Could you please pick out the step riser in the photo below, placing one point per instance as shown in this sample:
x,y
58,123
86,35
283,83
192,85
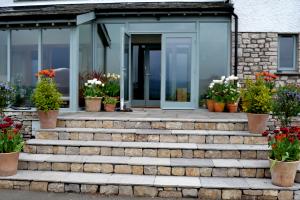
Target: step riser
x,y
150,191
108,168
146,152
133,137
171,125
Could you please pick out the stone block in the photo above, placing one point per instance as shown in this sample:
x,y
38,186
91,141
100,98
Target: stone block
x,y
231,154
86,136
168,138
174,125
134,152
197,139
199,154
30,149
285,195
107,124
145,191
44,166
125,191
91,189
44,149
248,172
262,155
219,172
182,138
158,125
109,190
137,170
56,187
21,185
150,170
153,138
176,153
188,125
32,166
118,152
205,126
72,188
92,167
273,193
102,137
74,136
72,150
89,150
123,169
232,194
213,154
75,124
221,139
164,170
59,150
77,167
192,171
107,168
105,151
210,194
253,192
119,124
116,137
128,137
233,172
93,124
178,171
205,172
149,152
248,154
39,186
47,135
190,193
61,166
4,184
164,153
22,165
170,194
143,125
187,153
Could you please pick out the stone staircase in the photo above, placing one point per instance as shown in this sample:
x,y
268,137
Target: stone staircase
x,y
164,157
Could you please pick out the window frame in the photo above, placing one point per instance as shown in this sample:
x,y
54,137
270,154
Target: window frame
x,y
295,52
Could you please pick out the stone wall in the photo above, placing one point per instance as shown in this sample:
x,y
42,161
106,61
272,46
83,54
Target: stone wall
x,y
259,52
27,118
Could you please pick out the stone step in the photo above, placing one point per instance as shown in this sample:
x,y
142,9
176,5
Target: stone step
x,y
152,135
117,122
147,165
146,149
149,186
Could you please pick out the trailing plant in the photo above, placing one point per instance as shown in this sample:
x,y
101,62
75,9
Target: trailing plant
x,y
46,96
112,85
11,139
110,100
284,144
286,104
256,97
93,88
6,96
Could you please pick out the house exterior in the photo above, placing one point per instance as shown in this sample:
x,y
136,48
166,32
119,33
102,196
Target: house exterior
x,y
166,52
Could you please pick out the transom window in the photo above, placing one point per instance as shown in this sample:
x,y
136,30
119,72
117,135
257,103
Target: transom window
x,y
287,54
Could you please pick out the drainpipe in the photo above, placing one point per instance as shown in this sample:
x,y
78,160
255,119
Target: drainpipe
x,y
236,27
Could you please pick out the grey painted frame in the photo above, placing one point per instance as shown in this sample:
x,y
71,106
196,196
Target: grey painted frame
x,y
295,52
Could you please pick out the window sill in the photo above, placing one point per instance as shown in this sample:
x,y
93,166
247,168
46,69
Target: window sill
x,y
287,73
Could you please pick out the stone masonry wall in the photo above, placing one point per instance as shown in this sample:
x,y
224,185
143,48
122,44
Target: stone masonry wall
x,y
259,51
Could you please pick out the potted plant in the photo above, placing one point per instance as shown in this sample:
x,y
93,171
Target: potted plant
x,y
232,93
284,155
112,85
209,98
6,95
256,102
11,143
110,104
93,95
218,94
47,99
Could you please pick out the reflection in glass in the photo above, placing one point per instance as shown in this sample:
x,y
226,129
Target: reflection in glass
x,y
178,69
24,62
3,55
154,79
286,52
56,55
85,48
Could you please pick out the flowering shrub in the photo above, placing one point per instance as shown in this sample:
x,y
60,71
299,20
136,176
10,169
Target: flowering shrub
x,y
112,85
256,97
11,139
286,103
268,77
46,96
224,90
93,88
6,95
284,143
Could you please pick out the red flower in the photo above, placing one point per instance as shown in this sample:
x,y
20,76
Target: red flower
x,y
274,146
292,139
276,131
284,130
10,137
19,125
265,133
16,131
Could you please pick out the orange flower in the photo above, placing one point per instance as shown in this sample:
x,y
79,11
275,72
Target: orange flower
x,y
50,73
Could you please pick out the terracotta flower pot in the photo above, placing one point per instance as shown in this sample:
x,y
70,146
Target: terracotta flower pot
x,y
257,123
93,104
9,163
48,119
219,106
283,173
109,107
232,107
210,105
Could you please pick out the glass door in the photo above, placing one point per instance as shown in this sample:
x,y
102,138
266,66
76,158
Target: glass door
x,y
125,100
178,88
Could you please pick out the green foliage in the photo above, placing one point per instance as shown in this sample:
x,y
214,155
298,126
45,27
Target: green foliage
x,y
286,103
112,88
11,139
256,97
46,96
6,95
93,88
232,94
110,100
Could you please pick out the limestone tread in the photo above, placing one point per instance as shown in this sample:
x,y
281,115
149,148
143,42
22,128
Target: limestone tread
x,y
145,180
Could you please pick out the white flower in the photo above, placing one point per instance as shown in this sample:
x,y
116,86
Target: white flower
x,y
211,85
238,85
98,82
108,75
102,85
90,81
118,76
86,84
222,78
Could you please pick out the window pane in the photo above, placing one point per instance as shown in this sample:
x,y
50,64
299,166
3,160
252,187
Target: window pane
x,y
286,52
85,48
178,69
3,55
56,55
24,60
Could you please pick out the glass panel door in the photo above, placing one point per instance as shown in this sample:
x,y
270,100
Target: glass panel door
x,y
178,72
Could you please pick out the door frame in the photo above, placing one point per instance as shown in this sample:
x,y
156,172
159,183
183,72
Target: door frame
x,y
192,104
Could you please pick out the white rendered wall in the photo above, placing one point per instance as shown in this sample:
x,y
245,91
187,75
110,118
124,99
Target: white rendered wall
x,y
268,15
